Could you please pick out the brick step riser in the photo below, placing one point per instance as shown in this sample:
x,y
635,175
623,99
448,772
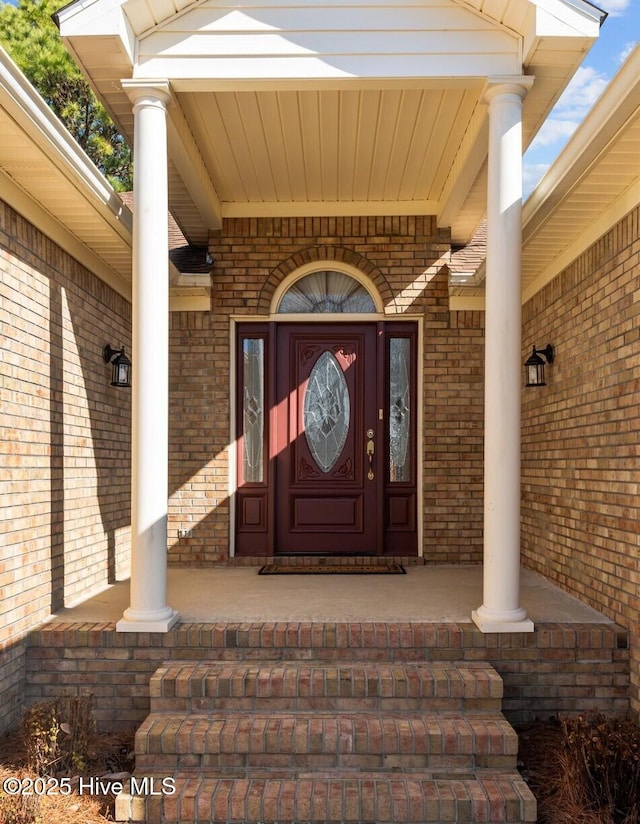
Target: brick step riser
x,y
457,705
298,686
369,799
360,740
287,765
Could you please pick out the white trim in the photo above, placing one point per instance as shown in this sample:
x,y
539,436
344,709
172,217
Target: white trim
x,y
605,222
189,303
332,208
29,111
420,507
326,317
326,266
604,122
31,210
464,303
232,452
595,136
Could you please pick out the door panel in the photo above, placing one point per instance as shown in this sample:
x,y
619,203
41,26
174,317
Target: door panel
x,y
307,396
326,401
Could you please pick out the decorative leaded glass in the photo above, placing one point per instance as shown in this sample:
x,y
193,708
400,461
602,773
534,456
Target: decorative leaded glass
x,y
326,292
399,409
253,409
326,411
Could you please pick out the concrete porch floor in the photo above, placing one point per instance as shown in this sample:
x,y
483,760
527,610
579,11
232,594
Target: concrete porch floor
x,y
437,594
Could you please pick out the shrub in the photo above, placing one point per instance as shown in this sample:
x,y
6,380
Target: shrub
x,y
591,773
57,735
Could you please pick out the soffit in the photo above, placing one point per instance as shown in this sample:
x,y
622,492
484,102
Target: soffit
x,y
50,180
593,183
309,108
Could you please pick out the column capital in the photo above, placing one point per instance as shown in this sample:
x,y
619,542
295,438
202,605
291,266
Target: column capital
x,y
154,91
519,84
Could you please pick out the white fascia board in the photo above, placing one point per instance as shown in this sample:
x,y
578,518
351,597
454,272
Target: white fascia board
x,y
627,201
24,203
563,19
189,303
21,101
191,167
567,18
464,303
470,160
607,117
97,18
330,208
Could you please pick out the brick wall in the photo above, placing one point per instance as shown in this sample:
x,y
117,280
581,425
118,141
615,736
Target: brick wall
x,y
559,668
405,258
65,444
581,433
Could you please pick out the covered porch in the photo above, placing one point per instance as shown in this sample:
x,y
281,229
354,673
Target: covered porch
x,y
426,594
574,660
337,138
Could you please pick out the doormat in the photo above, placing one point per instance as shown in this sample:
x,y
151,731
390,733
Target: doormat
x,y
332,569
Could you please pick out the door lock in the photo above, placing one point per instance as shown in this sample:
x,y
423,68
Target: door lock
x,y
371,448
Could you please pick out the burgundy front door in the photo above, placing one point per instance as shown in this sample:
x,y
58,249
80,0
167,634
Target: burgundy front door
x,y
327,483
326,429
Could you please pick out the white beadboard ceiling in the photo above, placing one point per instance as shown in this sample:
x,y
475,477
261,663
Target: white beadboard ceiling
x,y
323,107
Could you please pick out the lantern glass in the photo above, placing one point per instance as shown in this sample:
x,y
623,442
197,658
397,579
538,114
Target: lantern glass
x,y
120,375
534,370
535,375
120,365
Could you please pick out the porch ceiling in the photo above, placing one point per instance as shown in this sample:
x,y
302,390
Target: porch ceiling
x,y
328,108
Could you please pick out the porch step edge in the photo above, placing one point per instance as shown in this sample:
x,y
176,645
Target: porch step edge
x,y
407,798
237,741
316,685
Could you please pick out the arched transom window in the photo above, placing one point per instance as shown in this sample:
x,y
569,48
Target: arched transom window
x,y
326,291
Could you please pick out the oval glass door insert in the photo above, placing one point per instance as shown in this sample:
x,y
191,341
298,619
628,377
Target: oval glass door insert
x,y
326,411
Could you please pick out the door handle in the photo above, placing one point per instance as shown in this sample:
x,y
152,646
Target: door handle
x,y
371,448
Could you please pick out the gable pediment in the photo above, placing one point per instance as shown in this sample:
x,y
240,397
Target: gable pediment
x,y
306,40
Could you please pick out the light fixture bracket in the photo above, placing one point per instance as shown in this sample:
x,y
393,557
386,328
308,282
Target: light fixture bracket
x,y
548,352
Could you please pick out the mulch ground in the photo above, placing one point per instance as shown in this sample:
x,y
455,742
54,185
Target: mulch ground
x,y
109,753
540,762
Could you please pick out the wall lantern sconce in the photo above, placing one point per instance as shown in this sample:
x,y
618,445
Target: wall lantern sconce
x,y
534,365
121,365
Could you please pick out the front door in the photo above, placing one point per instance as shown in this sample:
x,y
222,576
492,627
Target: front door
x,y
326,438
327,479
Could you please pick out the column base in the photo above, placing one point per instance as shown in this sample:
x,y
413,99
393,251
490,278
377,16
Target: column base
x,y
159,621
494,622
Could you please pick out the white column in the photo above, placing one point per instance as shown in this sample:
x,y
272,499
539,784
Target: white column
x,y
501,610
148,610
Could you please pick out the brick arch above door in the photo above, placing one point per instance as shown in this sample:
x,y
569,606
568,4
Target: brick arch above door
x,y
327,255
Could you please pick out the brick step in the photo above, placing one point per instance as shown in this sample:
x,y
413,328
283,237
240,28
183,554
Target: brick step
x,y
232,742
302,685
409,798
328,741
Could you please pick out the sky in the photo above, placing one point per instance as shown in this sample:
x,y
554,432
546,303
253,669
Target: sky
x,y
618,35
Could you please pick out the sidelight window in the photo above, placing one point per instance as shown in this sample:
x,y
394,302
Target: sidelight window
x,y
399,409
253,409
